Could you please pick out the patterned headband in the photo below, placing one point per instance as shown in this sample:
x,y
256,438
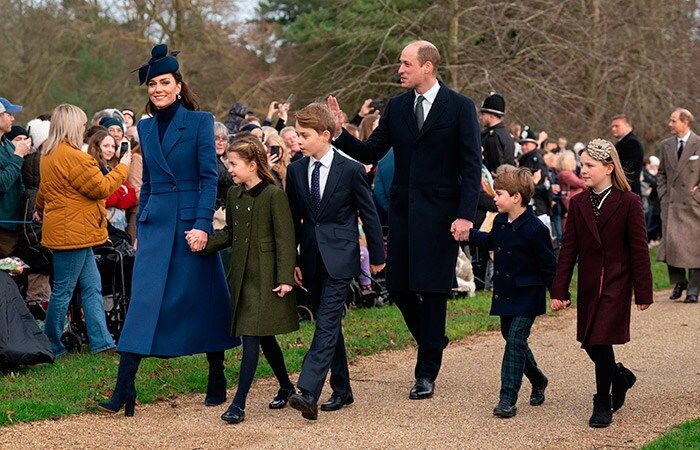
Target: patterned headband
x,y
599,149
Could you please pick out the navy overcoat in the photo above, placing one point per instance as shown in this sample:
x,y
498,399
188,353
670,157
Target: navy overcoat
x,y
180,304
437,177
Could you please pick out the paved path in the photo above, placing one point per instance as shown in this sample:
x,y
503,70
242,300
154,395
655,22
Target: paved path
x,y
663,353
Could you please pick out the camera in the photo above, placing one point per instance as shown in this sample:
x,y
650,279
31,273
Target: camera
x,y
377,104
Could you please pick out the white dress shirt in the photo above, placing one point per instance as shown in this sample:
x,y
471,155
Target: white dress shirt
x,y
325,168
428,98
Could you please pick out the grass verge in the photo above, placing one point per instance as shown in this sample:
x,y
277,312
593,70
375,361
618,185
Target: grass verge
x,y
681,437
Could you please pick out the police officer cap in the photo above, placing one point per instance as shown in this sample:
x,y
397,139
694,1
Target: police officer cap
x,y
494,104
161,62
528,135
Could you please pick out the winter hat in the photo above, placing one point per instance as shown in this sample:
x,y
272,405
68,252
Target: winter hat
x,y
161,62
494,104
15,131
110,121
39,131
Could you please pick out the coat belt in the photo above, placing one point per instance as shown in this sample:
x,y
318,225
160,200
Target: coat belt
x,y
167,187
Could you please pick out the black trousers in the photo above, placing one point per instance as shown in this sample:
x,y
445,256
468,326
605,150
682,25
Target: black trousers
x,y
677,275
603,356
327,351
425,316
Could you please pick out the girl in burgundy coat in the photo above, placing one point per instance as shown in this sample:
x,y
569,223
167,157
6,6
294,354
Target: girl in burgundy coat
x,y
606,234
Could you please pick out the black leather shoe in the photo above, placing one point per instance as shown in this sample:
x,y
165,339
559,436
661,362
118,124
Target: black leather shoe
x,y
537,395
282,397
678,290
505,410
306,403
623,380
337,401
690,299
423,388
233,414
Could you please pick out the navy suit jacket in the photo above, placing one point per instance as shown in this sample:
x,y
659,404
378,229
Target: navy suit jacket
x,y
332,231
437,177
524,264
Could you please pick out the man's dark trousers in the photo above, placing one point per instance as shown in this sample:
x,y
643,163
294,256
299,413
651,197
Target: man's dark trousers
x,y
425,316
327,349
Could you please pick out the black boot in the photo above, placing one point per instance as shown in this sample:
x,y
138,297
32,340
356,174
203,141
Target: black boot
x,y
216,383
125,390
623,380
602,411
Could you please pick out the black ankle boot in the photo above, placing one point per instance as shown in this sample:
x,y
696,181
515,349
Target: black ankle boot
x,y
125,390
623,380
602,411
216,382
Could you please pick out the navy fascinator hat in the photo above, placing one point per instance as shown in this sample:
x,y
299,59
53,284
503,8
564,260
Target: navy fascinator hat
x,y
161,62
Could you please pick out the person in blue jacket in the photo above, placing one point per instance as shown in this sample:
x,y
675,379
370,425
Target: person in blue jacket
x,y
524,267
180,301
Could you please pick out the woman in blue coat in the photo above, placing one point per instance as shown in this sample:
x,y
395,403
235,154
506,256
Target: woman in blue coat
x,y
179,299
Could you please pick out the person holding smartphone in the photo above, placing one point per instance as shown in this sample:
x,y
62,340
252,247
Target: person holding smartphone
x,y
278,158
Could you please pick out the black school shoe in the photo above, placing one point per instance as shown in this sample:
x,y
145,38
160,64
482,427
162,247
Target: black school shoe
x,y
623,380
505,410
537,395
233,414
602,411
678,290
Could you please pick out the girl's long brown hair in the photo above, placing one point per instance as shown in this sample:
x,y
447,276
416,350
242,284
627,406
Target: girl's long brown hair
x,y
250,149
95,151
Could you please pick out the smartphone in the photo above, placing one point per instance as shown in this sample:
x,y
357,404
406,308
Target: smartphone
x,y
290,99
377,104
275,150
124,147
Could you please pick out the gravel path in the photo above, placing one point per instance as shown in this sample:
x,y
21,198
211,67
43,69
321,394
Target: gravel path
x,y
663,353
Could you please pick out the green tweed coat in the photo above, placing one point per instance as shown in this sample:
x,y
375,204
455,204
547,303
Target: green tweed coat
x,y
260,233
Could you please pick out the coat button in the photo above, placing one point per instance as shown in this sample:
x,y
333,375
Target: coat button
x,y
236,206
498,249
249,208
235,223
503,226
497,272
235,239
318,225
246,239
247,224
495,296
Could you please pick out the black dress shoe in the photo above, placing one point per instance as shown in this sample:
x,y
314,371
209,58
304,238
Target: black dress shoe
x,y
537,395
423,388
306,403
233,414
337,401
505,410
678,290
690,299
282,397
623,380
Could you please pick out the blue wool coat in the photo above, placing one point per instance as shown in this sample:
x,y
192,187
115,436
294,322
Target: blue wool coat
x,y
524,263
180,304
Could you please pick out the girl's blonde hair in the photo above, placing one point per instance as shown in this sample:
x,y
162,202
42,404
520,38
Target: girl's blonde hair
x,y
567,161
605,152
67,125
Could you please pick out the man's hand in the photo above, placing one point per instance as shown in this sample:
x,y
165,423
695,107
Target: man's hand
x,y
376,268
558,305
271,110
460,229
22,146
283,111
282,289
366,108
297,276
337,115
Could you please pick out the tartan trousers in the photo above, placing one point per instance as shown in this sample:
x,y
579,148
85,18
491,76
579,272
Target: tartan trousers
x,y
517,357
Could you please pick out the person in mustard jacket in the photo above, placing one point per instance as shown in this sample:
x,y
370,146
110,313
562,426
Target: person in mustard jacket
x,y
71,205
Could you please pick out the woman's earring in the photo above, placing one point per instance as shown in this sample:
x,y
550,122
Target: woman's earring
x,y
179,97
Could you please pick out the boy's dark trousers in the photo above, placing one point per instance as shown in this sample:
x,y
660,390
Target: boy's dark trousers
x,y
327,349
517,358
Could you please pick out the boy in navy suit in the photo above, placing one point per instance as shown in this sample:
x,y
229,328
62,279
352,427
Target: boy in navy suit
x,y
326,191
524,267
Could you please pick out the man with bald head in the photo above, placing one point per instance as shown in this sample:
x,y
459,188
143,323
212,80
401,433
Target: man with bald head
x,y
678,184
435,136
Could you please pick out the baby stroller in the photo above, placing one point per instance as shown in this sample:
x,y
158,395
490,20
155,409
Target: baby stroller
x,y
115,268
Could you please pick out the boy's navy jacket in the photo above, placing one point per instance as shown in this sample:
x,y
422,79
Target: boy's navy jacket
x,y
524,263
333,229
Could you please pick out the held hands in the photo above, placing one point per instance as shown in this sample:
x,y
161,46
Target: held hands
x,y
460,229
558,305
196,239
282,289
376,268
337,115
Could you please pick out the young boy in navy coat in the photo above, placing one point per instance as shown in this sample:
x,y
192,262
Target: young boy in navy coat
x,y
524,267
326,192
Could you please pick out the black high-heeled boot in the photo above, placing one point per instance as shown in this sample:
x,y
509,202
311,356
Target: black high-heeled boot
x,y
125,390
216,381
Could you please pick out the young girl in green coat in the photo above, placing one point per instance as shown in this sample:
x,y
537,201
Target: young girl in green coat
x,y
260,232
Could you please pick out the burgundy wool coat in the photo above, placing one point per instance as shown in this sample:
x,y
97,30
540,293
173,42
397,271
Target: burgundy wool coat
x,y
613,259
